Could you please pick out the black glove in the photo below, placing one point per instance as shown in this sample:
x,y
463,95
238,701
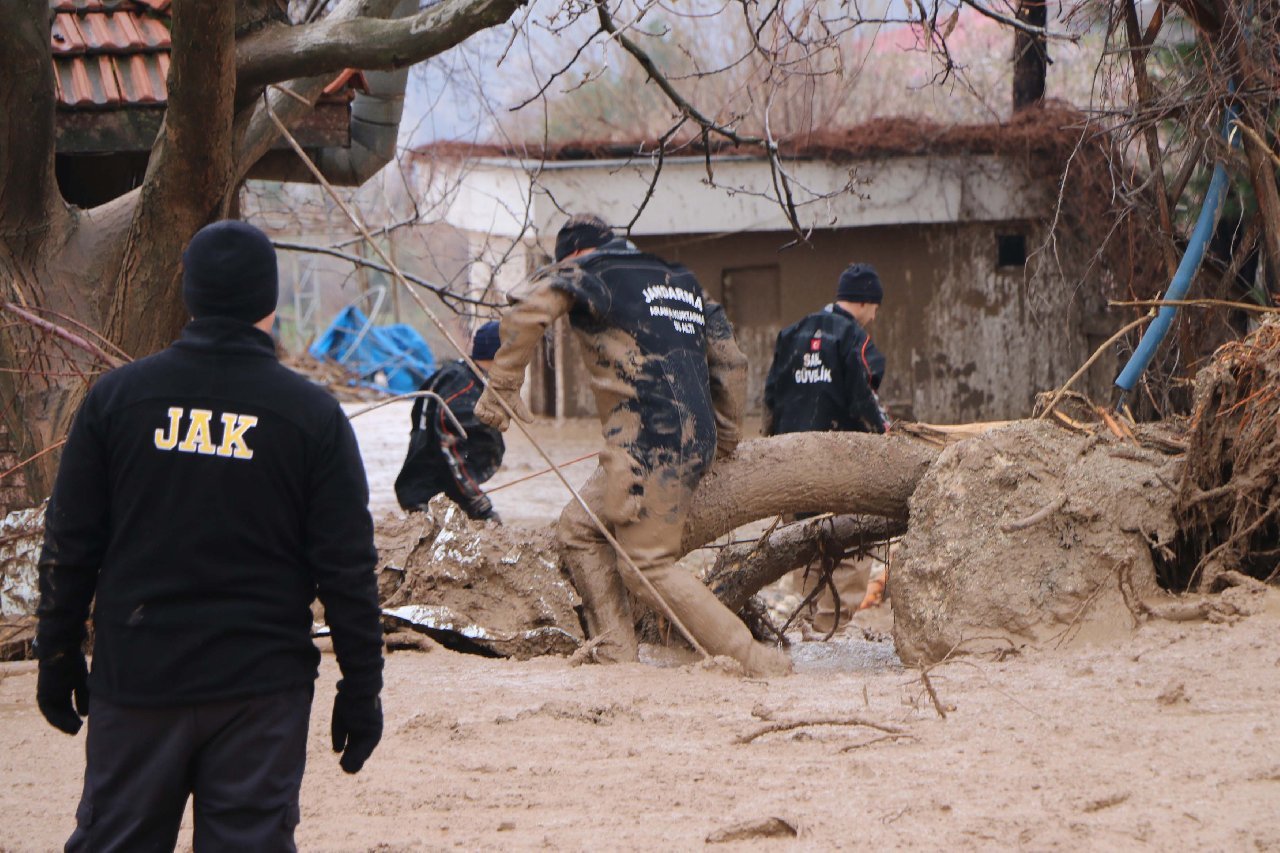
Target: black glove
x,y
62,677
356,728
481,509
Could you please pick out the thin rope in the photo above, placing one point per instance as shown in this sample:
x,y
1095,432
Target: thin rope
x,y
638,575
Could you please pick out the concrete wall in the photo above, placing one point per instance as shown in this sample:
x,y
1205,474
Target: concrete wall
x,y
965,339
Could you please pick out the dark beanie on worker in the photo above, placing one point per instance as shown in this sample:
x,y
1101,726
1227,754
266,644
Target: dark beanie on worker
x,y
484,346
583,231
229,270
859,283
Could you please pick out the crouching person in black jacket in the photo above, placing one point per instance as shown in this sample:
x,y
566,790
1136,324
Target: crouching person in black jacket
x,y
440,459
207,494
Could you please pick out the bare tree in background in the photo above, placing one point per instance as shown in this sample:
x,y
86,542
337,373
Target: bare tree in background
x,y
86,288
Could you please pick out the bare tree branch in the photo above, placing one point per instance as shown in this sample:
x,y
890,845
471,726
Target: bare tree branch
x,y
439,290
68,336
28,191
276,54
1020,26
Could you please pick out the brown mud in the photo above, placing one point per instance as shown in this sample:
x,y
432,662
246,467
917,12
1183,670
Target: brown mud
x,y
475,586
1031,534
1160,739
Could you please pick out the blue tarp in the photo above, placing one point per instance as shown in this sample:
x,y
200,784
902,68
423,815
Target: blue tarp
x,y
391,358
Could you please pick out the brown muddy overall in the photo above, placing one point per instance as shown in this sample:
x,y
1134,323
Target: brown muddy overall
x,y
666,406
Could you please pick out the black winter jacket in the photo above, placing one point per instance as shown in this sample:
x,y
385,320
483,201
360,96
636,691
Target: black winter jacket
x,y
823,378
439,460
207,494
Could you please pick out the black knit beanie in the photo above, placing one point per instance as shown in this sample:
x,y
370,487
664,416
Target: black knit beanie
x,y
484,346
859,283
229,270
583,231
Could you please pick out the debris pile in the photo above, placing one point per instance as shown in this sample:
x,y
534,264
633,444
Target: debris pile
x,y
1229,502
475,586
21,534
1031,534
341,383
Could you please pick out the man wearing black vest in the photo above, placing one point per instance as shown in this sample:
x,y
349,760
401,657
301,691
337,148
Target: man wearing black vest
x,y
207,495
824,378
669,384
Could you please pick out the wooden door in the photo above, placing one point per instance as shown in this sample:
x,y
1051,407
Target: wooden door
x,y
752,299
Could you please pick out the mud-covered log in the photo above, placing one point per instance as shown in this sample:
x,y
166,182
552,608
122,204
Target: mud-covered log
x,y
743,570
838,472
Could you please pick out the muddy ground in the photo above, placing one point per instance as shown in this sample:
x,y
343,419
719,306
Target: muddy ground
x,y
1169,738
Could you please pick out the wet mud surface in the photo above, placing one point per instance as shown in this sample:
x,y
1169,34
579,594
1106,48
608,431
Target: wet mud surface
x,y
1160,738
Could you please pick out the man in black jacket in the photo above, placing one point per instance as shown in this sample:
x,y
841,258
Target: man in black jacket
x,y
824,378
439,458
206,495
826,370
669,384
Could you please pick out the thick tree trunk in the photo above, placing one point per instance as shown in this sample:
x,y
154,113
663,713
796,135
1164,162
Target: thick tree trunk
x,y
1030,55
838,472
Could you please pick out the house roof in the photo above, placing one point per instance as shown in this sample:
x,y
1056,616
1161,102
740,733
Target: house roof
x,y
111,70
1039,131
109,54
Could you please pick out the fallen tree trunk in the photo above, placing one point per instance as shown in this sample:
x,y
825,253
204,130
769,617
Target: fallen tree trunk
x,y
845,473
740,571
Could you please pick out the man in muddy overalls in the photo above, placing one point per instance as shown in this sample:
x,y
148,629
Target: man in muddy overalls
x,y
669,384
824,378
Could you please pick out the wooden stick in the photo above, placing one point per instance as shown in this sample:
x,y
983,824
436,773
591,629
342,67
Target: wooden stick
x,y
1196,303
1057,397
820,721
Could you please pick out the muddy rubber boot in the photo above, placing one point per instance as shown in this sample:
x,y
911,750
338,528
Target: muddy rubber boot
x,y
767,662
605,604
592,564
717,629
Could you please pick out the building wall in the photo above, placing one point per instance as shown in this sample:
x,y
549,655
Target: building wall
x,y
965,339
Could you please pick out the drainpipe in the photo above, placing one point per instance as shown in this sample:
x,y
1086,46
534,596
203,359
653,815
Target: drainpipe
x,y
375,126
1186,271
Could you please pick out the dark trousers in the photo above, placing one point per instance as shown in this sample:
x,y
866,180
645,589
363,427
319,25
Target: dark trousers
x,y
242,760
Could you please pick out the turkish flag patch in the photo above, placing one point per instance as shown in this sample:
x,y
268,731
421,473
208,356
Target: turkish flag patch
x,y
815,344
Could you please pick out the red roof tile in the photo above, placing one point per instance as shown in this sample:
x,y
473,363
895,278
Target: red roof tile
x,y
143,77
66,36
115,53
110,33
87,82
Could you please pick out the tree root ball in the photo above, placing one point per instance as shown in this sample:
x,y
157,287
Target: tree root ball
x,y
1030,534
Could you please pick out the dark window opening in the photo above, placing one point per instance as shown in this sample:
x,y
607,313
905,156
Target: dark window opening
x,y
1011,250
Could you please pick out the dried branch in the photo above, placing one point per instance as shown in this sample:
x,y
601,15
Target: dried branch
x,y
68,336
773,728
439,290
1020,26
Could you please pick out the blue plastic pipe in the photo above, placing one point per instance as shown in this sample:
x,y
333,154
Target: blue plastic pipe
x,y
1186,271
